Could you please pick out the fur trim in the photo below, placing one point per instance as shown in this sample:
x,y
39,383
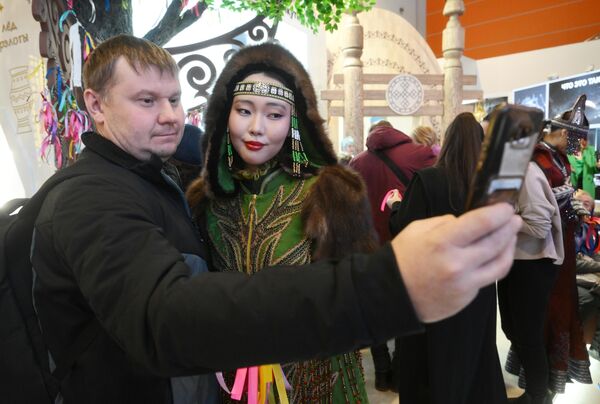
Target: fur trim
x,y
197,193
337,215
271,58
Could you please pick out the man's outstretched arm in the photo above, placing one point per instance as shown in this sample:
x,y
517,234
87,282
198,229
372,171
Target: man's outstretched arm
x,y
445,260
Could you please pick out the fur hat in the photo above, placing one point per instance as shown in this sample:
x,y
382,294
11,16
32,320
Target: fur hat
x,y
268,58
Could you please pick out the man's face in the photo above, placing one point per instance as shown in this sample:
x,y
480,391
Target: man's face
x,y
140,113
587,202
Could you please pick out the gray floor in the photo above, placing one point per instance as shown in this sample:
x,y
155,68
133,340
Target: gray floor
x,y
575,393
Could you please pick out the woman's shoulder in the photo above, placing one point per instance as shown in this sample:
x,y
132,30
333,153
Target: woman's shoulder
x,y
430,174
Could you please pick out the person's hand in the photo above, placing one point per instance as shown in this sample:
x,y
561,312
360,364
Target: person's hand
x,y
445,260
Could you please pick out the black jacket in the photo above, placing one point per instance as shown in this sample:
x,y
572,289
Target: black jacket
x,y
465,342
109,247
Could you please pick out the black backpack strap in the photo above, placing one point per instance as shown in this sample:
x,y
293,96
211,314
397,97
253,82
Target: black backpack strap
x,y
12,205
388,162
20,279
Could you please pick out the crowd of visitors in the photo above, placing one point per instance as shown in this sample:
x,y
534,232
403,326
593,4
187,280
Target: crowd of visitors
x,y
244,262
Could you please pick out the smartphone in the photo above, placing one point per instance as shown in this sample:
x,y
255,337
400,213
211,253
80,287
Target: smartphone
x,y
505,153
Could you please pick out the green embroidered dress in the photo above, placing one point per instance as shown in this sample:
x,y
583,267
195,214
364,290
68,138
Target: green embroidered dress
x,y
259,227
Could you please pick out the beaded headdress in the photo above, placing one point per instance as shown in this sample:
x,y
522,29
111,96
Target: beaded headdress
x,y
575,122
263,89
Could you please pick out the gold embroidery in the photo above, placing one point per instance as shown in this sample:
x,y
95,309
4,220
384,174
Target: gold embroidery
x,y
249,240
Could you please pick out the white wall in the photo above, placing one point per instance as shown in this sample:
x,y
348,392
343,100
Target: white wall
x,y
413,11
499,76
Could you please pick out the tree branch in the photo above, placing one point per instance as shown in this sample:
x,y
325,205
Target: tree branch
x,y
172,23
117,20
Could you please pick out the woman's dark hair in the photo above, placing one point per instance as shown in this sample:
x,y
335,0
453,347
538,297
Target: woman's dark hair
x,y
460,152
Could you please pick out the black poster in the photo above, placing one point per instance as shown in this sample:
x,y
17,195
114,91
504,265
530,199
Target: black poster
x,y
534,96
564,92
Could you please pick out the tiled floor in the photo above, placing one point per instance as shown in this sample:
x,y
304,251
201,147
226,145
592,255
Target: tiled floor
x,y
576,393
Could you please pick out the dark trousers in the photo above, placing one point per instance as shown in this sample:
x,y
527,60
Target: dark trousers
x,y
381,358
589,306
523,299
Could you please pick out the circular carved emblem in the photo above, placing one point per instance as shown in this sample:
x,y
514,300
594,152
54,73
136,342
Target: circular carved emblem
x,y
404,94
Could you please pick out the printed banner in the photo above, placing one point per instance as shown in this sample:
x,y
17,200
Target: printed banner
x,y
22,70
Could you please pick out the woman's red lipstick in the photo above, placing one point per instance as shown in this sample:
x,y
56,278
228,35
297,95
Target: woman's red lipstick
x,y
254,146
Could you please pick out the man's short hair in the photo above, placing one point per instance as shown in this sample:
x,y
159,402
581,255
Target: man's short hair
x,y
141,54
383,122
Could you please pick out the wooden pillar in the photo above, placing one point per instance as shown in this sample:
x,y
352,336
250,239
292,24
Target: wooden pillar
x,y
352,46
453,45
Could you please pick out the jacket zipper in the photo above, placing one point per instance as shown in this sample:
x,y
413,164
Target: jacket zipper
x,y
252,215
251,219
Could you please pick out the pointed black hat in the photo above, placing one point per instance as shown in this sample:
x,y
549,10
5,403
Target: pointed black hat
x,y
574,119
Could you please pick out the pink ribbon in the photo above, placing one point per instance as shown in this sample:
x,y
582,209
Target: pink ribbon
x,y
385,198
50,126
251,374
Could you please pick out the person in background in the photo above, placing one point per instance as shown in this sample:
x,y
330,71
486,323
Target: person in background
x,y
485,121
583,167
587,244
115,252
426,136
388,164
524,294
567,354
455,360
347,150
187,160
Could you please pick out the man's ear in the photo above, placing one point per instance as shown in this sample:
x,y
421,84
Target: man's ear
x,y
93,103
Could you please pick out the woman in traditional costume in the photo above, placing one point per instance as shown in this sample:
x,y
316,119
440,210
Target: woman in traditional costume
x,y
271,192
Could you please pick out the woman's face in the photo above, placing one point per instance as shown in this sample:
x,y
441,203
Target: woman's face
x,y
258,125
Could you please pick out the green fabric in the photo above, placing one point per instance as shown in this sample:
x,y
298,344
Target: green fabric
x,y
248,232
584,169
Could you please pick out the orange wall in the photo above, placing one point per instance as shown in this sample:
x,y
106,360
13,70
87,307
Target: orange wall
x,y
501,27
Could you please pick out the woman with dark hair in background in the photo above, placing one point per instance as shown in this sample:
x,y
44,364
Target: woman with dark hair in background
x,y
455,360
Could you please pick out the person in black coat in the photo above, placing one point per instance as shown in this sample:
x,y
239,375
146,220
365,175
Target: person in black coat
x,y
455,360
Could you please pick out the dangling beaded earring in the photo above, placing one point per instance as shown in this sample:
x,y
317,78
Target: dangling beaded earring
x,y
299,157
229,149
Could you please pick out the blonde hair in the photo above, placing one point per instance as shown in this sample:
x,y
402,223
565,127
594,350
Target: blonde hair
x,y
580,194
424,135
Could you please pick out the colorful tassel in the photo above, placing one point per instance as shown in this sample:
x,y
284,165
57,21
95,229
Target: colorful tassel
x,y
63,17
51,141
229,150
89,45
299,157
262,381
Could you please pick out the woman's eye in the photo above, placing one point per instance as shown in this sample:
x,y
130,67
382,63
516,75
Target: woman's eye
x,y
275,115
243,111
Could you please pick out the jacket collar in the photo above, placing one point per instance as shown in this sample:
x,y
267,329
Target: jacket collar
x,y
98,144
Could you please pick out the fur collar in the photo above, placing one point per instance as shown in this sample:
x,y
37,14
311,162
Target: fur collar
x,y
216,176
